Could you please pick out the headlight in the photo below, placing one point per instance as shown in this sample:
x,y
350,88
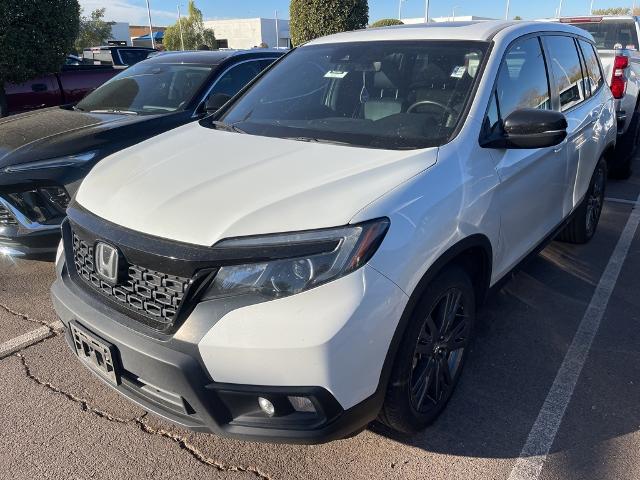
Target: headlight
x,y
331,254
60,162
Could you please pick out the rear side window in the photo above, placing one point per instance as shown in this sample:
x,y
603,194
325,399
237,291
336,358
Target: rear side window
x,y
566,69
594,78
234,79
522,81
131,57
609,35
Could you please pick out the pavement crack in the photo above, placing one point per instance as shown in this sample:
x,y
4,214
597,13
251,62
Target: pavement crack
x,y
84,404
181,441
193,450
24,316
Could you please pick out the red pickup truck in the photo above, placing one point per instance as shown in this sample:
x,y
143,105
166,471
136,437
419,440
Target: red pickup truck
x,y
68,86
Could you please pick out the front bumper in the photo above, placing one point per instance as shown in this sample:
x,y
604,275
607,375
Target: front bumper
x,y
208,375
25,238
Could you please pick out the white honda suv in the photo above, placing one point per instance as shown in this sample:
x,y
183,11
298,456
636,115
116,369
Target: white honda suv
x,y
311,258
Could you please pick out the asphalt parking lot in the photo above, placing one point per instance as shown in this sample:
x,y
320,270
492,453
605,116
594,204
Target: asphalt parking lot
x,y
551,389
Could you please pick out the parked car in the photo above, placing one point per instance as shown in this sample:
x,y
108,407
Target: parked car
x,y
72,84
116,55
616,40
44,155
311,257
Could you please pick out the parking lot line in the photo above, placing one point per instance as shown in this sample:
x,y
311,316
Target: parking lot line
x,y
542,435
18,343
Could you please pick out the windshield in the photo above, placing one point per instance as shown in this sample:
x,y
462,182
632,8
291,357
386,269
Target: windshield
x,y
148,89
612,34
392,95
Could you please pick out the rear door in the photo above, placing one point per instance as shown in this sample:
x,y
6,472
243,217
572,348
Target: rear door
x,y
533,182
573,97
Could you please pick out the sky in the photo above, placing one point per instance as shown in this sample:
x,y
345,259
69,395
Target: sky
x,y
163,12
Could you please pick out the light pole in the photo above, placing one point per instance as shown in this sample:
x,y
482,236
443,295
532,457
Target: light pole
x,y
506,14
591,8
426,11
277,32
400,2
180,26
453,13
560,9
153,43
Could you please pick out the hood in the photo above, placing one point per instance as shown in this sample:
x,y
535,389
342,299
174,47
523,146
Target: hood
x,y
54,132
198,185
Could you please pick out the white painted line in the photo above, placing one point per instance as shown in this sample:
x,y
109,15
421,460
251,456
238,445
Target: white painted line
x,y
18,343
544,430
620,200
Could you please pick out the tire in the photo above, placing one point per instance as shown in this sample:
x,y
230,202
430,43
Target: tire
x,y
620,165
584,223
430,356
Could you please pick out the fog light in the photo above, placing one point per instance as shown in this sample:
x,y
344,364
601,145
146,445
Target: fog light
x,y
302,404
266,406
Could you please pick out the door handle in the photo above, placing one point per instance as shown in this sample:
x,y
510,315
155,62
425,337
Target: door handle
x,y
39,87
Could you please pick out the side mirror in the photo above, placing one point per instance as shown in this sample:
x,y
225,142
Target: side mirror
x,y
216,102
530,128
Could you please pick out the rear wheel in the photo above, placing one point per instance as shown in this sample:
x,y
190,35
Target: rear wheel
x,y
431,354
620,165
585,220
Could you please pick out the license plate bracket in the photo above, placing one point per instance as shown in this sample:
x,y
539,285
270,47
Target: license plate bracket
x,y
95,353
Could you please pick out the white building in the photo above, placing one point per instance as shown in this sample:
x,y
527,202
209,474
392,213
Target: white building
x,y
245,33
457,18
120,32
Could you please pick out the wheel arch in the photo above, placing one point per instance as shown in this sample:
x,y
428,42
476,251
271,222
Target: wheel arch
x,y
474,254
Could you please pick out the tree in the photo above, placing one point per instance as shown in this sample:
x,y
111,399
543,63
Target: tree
x,y
314,18
517,17
386,22
94,31
194,33
35,37
612,11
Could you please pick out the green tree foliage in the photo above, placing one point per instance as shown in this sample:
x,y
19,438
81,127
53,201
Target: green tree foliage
x,y
613,11
194,33
386,22
94,31
35,37
517,17
314,18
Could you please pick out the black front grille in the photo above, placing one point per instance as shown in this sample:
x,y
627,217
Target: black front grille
x,y
6,218
155,296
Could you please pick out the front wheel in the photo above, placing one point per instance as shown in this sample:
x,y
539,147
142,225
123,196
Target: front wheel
x,y
431,354
585,220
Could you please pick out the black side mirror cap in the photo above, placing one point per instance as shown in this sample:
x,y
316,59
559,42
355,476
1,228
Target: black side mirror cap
x,y
216,102
530,128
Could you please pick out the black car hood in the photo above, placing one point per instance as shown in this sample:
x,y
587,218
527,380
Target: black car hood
x,y
58,131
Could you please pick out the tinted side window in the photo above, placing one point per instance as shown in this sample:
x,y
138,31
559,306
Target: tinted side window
x,y
594,74
566,69
236,78
131,57
522,81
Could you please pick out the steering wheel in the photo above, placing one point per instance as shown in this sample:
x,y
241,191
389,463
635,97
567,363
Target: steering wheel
x,y
444,108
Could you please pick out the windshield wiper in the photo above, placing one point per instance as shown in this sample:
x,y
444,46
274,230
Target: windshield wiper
x,y
122,112
319,140
218,125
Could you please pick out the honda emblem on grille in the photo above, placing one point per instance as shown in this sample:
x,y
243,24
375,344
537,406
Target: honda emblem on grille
x,y
107,262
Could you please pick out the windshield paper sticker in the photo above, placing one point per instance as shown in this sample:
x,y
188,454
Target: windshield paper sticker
x,y
335,74
458,72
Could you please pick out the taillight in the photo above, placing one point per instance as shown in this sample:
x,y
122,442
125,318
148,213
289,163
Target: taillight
x,y
619,81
